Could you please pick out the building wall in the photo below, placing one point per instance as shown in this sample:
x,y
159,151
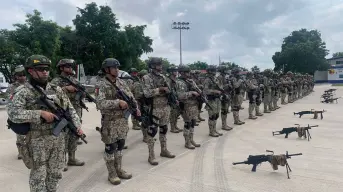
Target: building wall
x,y
3,82
335,75
338,61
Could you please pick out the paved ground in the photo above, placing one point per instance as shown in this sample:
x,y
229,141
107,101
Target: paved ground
x,y
208,168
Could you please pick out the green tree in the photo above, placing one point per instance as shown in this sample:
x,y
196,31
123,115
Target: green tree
x,y
198,65
302,51
337,54
255,68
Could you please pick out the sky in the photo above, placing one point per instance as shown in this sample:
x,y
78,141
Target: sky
x,y
247,32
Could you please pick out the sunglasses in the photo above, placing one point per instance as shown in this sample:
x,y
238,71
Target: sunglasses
x,y
41,69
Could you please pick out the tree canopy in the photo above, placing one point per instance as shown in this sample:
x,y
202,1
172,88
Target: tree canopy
x,y
302,51
337,54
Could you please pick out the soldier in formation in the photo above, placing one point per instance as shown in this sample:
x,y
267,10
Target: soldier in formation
x,y
175,110
65,70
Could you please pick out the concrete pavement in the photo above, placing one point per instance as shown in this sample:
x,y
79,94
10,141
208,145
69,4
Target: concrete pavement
x,y
208,168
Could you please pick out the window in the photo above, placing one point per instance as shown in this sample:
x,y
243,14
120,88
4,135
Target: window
x,y
339,62
1,80
341,76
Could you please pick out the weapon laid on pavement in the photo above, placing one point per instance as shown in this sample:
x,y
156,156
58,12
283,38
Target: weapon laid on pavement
x,y
330,90
274,160
315,116
63,117
81,90
330,100
302,131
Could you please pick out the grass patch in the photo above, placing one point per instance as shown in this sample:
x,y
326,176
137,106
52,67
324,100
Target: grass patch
x,y
338,84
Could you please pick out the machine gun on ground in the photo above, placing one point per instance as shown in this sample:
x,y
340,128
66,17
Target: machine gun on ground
x,y
330,100
302,131
81,90
274,160
315,116
63,117
329,91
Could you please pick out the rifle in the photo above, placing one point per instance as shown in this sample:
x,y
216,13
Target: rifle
x,y
202,97
80,92
172,96
330,90
63,117
290,130
258,159
330,100
315,116
132,105
223,92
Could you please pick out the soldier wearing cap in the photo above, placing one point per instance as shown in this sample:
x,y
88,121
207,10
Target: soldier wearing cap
x,y
43,152
65,70
114,124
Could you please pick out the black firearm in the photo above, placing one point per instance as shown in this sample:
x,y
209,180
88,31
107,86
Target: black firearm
x,y
81,90
330,100
63,116
132,105
172,96
315,116
290,130
202,97
258,159
330,90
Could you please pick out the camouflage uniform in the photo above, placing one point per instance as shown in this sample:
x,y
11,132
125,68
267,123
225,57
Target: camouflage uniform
x,y
226,98
174,112
133,83
253,89
236,98
197,80
284,89
213,94
19,71
290,87
139,96
114,125
70,139
156,90
267,100
275,91
44,151
188,105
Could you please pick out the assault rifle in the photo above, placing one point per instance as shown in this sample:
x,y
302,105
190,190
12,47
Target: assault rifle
x,y
63,116
80,92
315,116
202,97
330,100
330,90
290,130
172,96
258,159
132,105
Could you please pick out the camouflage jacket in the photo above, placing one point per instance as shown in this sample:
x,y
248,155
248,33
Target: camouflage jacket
x,y
210,86
151,85
11,88
24,107
59,81
183,90
107,97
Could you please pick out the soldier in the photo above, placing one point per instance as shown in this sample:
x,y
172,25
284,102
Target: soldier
x,y
236,98
276,90
188,104
284,89
141,100
175,111
211,89
267,91
114,124
290,86
20,79
196,78
226,97
65,69
253,89
46,157
156,90
134,83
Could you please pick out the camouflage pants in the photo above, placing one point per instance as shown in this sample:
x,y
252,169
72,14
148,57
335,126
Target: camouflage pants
x,y
20,139
174,114
163,114
47,154
267,101
190,112
114,128
70,138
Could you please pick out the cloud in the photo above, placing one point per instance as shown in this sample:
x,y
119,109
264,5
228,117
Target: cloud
x,y
247,32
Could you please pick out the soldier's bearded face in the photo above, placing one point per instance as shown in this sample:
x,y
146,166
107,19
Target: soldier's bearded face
x,y
114,71
40,72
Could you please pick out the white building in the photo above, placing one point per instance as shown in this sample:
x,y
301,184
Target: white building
x,y
335,72
3,82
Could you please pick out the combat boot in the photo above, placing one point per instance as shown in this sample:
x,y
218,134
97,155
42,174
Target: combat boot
x,y
164,150
145,134
191,137
135,124
212,129
79,142
266,110
224,123
257,111
112,174
20,156
200,118
179,129
118,166
151,159
251,109
72,161
188,144
173,128
236,118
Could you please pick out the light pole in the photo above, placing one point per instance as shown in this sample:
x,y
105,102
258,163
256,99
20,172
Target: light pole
x,y
180,26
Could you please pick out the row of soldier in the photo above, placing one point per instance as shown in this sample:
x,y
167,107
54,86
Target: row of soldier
x,y
45,154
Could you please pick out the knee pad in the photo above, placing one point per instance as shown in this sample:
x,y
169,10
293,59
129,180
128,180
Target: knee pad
x,y
224,112
188,125
121,144
216,116
235,108
212,118
111,148
193,122
152,130
164,129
